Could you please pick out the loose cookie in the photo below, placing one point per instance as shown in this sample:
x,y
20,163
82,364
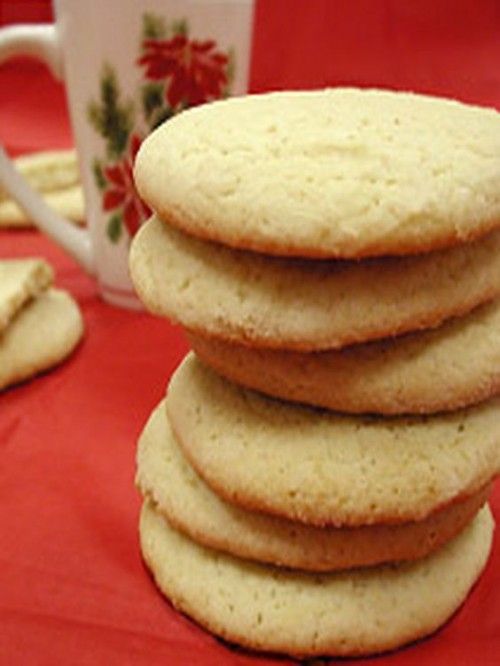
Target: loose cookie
x,y
68,202
55,175
21,280
41,335
48,171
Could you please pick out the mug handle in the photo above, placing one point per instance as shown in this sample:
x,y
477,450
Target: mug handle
x,y
41,42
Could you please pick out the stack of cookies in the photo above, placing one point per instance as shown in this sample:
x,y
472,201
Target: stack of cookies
x,y
315,480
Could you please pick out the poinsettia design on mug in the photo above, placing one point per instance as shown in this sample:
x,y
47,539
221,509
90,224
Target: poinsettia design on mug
x,y
178,72
194,71
120,194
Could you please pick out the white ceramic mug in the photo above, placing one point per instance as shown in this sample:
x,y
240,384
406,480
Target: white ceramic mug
x,y
127,65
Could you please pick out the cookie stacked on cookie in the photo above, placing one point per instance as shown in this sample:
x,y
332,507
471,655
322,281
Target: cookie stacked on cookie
x,y
317,471
55,175
40,325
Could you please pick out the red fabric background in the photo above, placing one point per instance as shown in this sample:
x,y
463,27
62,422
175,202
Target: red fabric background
x,y
72,586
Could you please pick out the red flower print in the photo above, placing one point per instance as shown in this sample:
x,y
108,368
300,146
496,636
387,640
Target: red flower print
x,y
195,71
120,190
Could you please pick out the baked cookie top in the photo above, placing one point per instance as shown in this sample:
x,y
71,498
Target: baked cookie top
x,y
349,613
342,172
445,368
165,477
324,468
305,305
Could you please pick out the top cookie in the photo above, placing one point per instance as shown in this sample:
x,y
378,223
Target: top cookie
x,y
334,173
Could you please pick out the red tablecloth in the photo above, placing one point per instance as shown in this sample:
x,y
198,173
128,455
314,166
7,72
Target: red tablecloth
x,y
73,589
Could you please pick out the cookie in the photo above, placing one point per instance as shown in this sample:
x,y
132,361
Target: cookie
x,y
342,172
68,202
364,611
324,468
165,477
306,305
446,368
47,171
20,280
42,334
